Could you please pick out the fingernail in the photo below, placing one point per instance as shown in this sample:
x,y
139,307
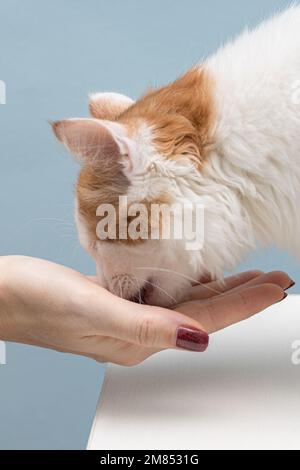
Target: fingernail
x,y
292,285
283,298
192,340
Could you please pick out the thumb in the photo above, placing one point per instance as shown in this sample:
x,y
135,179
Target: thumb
x,y
155,327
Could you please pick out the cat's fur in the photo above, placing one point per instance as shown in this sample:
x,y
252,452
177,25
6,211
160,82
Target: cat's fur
x,y
226,135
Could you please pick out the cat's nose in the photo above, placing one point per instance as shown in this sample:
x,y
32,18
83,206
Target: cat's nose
x,y
142,295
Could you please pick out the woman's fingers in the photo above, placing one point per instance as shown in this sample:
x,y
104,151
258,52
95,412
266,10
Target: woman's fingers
x,y
219,312
158,328
208,290
120,352
135,332
188,325
240,281
148,327
279,278
128,332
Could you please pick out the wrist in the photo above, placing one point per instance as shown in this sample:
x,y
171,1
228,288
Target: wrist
x,y
7,314
6,319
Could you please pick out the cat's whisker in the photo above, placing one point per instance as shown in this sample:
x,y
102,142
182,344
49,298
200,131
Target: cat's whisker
x,y
215,291
51,219
139,290
121,289
62,222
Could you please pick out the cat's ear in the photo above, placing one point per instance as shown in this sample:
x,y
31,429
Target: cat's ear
x,y
93,141
108,105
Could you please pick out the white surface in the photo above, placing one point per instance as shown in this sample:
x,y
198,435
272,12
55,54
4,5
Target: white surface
x,y
243,393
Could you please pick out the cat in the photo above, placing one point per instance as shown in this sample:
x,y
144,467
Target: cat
x,y
226,135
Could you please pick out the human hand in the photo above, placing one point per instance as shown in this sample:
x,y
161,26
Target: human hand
x,y
49,305
219,304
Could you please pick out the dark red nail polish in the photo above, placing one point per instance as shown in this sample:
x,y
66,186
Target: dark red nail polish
x,y
283,298
292,285
192,340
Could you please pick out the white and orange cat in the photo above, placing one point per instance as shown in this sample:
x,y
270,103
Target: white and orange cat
x,y
226,135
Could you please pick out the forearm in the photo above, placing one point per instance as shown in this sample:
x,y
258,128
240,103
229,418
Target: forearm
x,y
16,319
7,320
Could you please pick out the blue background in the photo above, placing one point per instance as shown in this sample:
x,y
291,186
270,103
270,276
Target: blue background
x,y
52,53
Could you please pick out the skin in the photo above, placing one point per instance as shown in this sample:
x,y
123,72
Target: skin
x,y
51,306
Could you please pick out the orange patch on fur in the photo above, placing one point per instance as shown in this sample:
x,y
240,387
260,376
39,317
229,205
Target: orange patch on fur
x,y
91,193
146,218
97,186
181,114
105,110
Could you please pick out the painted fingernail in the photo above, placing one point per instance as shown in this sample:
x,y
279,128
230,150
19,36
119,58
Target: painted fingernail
x,y
283,298
291,285
192,340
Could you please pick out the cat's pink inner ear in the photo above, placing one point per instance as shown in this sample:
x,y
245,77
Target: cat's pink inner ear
x,y
108,105
87,139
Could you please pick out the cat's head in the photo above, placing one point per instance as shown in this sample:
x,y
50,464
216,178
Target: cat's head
x,y
149,153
